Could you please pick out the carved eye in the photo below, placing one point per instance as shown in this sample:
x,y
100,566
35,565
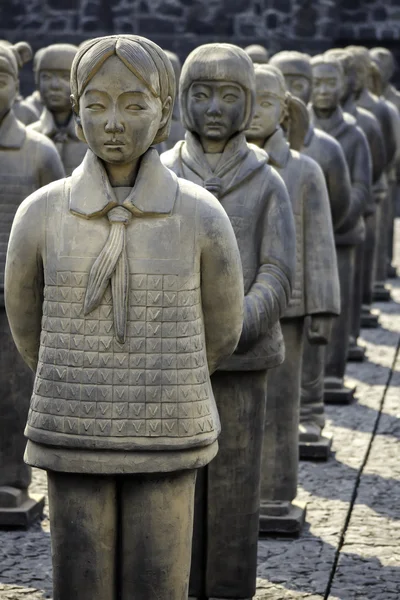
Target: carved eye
x,y
266,104
200,96
134,107
230,98
96,106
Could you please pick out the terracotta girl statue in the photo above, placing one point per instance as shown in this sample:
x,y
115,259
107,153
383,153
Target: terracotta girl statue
x,y
314,303
52,73
28,160
124,292
217,89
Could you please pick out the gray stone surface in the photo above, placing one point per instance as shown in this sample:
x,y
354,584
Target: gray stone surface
x,y
363,464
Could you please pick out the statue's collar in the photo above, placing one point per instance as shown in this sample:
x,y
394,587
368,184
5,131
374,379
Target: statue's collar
x,y
49,127
334,125
277,149
12,132
92,196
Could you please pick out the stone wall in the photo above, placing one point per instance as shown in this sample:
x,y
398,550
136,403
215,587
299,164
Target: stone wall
x,y
181,25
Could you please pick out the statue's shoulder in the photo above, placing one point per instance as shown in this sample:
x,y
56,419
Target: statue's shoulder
x,y
40,142
172,158
37,203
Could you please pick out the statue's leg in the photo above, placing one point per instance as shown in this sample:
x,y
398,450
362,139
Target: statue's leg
x,y
16,384
156,524
381,292
337,349
280,458
83,516
369,318
233,485
356,352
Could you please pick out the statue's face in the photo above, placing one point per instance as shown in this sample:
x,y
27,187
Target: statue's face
x,y
55,90
299,86
268,108
119,115
361,76
8,92
217,109
327,88
349,83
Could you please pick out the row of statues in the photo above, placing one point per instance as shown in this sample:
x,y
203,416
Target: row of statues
x,y
186,280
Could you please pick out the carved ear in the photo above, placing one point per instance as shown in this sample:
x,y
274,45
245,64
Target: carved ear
x,y
78,122
297,122
23,53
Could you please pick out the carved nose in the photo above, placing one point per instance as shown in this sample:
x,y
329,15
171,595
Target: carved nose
x,y
114,126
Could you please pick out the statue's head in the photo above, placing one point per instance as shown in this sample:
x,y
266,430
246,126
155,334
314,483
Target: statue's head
x,y
275,107
384,59
123,89
12,58
258,54
296,69
217,90
52,66
362,63
176,65
349,70
328,79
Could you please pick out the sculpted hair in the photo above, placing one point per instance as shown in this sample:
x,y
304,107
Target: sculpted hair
x,y
344,57
326,59
291,62
295,121
385,59
218,62
257,53
147,61
13,58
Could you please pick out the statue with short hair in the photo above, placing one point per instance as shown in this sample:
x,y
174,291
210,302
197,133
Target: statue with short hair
x,y
217,95
124,293
258,54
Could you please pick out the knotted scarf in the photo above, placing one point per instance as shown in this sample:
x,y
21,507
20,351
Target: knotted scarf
x,y
112,263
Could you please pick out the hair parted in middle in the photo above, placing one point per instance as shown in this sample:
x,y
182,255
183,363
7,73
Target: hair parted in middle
x,y
218,62
147,61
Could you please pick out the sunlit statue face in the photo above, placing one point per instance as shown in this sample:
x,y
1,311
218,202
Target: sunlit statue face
x,y
119,115
299,86
55,90
268,108
8,92
327,88
217,109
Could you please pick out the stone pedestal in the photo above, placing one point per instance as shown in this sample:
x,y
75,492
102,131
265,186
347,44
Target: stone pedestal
x,y
381,293
280,455
315,449
16,383
337,349
356,352
369,317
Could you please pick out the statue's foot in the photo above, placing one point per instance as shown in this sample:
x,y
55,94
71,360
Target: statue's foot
x,y
309,432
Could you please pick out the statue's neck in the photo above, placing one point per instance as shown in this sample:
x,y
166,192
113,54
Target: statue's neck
x,y
62,118
324,113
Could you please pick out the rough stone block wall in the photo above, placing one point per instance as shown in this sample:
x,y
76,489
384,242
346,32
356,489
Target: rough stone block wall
x,y
181,25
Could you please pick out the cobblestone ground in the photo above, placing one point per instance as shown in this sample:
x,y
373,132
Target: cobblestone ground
x,y
349,549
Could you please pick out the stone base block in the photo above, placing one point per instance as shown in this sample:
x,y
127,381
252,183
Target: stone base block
x,y
316,450
17,509
289,522
356,353
391,272
381,293
370,319
336,393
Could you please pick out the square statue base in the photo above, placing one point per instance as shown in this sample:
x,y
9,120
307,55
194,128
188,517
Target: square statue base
x,y
336,393
17,509
285,518
391,272
370,319
381,293
316,450
356,353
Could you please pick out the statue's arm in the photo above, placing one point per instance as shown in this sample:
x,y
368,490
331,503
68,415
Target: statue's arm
x,y
339,186
221,284
24,278
268,297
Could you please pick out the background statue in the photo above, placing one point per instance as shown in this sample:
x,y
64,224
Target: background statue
x,y
257,53
217,90
124,292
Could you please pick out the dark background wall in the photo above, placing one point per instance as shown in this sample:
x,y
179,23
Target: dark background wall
x,y
181,25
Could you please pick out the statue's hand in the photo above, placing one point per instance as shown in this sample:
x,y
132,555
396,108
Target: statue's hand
x,y
318,329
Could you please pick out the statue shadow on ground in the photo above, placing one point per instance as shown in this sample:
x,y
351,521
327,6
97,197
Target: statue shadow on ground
x,y
388,425
304,566
25,561
335,480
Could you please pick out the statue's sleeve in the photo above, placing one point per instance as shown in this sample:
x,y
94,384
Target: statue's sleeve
x,y
322,288
51,167
339,186
23,284
268,297
221,284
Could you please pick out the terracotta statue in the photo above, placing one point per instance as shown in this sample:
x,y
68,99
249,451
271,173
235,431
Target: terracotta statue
x,y
257,53
56,121
386,63
315,301
324,149
177,130
365,254
28,161
124,292
326,114
22,109
217,90
379,108
35,99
